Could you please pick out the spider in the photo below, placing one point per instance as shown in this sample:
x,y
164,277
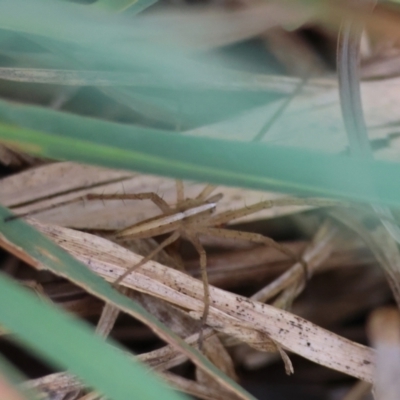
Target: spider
x,y
194,217
191,218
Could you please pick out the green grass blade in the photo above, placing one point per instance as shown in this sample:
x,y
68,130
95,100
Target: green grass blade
x,y
48,332
67,137
135,6
121,43
157,45
238,82
14,378
28,244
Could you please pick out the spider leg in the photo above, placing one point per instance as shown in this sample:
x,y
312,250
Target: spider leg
x,y
170,239
153,197
255,238
203,267
230,215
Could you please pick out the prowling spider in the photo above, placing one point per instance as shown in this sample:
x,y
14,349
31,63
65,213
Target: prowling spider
x,y
194,217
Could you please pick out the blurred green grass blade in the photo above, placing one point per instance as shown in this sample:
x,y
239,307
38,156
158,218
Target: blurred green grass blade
x,y
14,378
25,242
62,76
176,98
157,45
135,6
34,60
70,344
119,42
255,165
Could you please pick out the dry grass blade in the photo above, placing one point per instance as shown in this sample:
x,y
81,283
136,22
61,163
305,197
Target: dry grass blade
x,y
192,218
179,383
176,319
108,317
60,382
182,384
314,255
9,157
198,390
13,158
107,320
291,332
218,355
384,332
183,325
160,360
238,266
41,188
55,179
168,357
40,256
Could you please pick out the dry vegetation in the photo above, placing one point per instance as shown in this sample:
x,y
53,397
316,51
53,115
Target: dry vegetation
x,y
266,319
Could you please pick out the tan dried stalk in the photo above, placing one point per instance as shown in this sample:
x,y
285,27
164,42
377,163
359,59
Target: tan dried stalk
x,y
229,313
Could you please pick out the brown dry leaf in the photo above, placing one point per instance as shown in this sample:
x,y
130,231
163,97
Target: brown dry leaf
x,y
228,312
